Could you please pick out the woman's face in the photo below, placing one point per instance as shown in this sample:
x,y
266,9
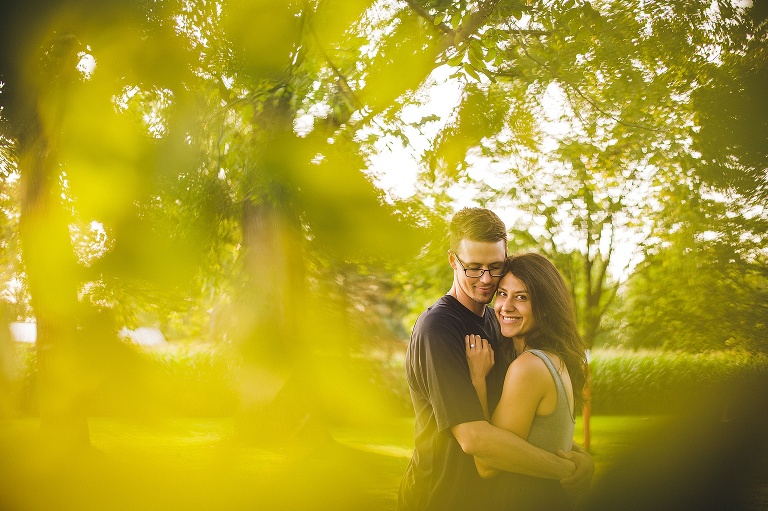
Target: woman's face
x,y
513,307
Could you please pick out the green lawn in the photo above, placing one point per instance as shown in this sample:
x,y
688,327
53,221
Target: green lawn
x,y
610,435
196,464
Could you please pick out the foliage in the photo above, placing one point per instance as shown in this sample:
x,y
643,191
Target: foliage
x,y
621,73
18,392
663,382
703,289
205,380
208,198
732,110
655,382
577,121
177,381
15,292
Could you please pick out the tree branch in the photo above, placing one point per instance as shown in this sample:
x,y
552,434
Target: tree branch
x,y
421,11
577,90
475,21
607,259
346,89
508,73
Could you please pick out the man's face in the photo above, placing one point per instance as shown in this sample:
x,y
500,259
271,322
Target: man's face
x,y
475,292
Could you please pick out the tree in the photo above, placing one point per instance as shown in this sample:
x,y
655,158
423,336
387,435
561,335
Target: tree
x,y
732,111
207,120
592,166
76,159
703,288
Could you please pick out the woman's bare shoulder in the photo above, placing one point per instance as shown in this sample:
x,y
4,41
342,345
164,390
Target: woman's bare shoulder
x,y
527,365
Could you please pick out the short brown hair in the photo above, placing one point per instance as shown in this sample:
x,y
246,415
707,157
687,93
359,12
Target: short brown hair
x,y
476,224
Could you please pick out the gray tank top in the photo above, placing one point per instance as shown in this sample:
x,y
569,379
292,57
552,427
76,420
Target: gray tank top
x,y
555,430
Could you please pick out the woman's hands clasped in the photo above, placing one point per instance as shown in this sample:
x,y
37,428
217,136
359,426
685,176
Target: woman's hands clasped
x,y
479,357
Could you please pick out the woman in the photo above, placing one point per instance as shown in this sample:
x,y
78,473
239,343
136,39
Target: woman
x,y
548,362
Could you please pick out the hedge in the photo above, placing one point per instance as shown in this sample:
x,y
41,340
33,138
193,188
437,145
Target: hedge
x,y
658,382
177,380
199,380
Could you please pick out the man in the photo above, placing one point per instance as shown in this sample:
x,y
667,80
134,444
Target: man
x,y
450,425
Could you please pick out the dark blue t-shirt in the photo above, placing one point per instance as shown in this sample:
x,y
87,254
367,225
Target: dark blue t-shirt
x,y
440,476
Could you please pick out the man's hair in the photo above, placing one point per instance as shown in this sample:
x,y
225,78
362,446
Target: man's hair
x,y
476,224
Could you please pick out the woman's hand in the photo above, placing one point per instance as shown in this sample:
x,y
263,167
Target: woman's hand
x,y
479,357
480,360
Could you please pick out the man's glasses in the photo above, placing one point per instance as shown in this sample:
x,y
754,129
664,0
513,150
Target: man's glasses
x,y
475,273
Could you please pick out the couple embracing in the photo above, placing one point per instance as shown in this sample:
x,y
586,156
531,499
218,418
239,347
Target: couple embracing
x,y
494,388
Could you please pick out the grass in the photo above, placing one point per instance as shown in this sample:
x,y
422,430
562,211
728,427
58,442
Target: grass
x,y
611,435
195,464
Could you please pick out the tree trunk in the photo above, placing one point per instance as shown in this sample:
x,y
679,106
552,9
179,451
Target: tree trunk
x,y
46,245
586,409
276,406
51,273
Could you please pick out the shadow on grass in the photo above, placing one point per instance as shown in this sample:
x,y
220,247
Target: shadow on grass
x,y
711,456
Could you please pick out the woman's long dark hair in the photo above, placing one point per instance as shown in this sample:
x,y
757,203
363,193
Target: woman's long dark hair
x,y
553,310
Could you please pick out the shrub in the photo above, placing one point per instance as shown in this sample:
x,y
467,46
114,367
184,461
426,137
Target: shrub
x,y
654,382
198,380
175,380
18,378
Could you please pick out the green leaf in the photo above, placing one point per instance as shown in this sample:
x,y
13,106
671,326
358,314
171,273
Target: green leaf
x,y
476,63
456,60
490,55
471,71
476,49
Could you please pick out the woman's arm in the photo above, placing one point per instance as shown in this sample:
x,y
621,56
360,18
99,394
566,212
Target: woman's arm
x,y
525,385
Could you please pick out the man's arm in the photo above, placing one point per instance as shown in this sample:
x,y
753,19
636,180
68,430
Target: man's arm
x,y
578,483
504,450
